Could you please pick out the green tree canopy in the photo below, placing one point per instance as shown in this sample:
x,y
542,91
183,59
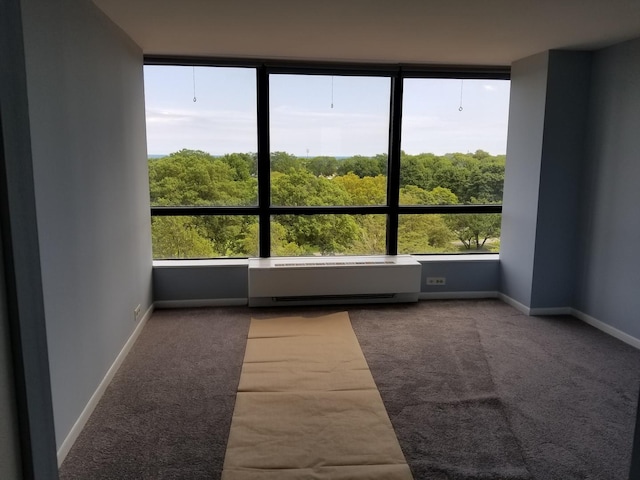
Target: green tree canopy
x,y
193,177
196,178
301,187
364,166
179,237
363,190
284,162
473,230
322,166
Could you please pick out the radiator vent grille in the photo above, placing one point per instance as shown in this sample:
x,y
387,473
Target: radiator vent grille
x,y
334,263
311,298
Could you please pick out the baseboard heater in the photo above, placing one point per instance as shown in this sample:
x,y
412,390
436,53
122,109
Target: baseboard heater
x,y
333,280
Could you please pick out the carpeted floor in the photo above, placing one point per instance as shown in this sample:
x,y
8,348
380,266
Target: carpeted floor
x,y
474,389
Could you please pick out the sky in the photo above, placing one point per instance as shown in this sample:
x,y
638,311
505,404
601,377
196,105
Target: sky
x,y
313,115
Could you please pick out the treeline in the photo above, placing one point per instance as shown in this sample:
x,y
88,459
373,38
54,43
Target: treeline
x,y
191,177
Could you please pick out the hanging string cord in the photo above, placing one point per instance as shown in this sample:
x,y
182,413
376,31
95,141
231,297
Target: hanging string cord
x,y
332,91
194,84
461,86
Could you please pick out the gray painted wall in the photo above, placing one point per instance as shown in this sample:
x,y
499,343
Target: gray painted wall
x,y
562,164
22,275
478,273
522,176
204,282
609,270
9,440
86,106
545,160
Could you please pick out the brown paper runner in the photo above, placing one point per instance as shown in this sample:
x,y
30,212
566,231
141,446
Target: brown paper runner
x,y
308,408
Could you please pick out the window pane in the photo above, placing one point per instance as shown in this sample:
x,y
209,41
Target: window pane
x,y
304,235
325,127
464,233
204,236
454,138
201,152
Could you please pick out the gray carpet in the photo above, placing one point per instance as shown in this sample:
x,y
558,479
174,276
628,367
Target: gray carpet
x,y
474,389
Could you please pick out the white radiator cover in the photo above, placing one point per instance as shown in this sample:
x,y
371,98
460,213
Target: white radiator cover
x,y
333,280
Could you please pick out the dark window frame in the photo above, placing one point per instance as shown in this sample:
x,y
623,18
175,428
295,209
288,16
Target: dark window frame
x,y
397,73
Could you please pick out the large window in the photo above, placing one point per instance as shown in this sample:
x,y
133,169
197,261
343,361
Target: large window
x,y
449,128
281,160
322,126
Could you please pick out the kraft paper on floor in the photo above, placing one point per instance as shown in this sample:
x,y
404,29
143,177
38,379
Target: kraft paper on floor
x,y
308,408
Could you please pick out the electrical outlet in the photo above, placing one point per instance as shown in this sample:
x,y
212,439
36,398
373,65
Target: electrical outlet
x,y
436,280
136,313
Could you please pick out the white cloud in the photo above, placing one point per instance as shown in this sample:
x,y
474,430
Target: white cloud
x,y
330,132
214,131
321,132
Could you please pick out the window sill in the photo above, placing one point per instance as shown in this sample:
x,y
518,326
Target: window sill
x,y
244,262
214,262
470,257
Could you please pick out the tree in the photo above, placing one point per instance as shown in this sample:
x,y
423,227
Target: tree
x,y
455,178
245,165
300,187
193,177
371,236
488,183
179,237
227,233
284,162
481,154
279,245
473,230
412,195
363,190
416,170
364,166
423,234
326,234
322,166
441,196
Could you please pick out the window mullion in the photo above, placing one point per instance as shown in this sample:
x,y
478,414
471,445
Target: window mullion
x,y
264,167
393,173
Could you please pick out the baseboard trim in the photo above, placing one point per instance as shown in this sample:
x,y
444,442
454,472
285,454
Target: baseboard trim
x,y
211,302
514,303
594,322
64,449
606,328
550,311
535,310
456,295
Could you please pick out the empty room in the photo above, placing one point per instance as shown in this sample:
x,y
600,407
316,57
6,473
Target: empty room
x,y
297,239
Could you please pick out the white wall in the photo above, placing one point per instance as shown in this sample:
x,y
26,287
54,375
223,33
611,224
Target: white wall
x,y
608,283
86,108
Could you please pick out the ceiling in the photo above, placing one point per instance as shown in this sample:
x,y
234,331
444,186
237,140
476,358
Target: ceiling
x,y
462,32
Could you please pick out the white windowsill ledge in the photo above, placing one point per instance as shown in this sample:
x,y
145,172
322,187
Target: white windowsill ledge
x,y
471,257
216,262
244,262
